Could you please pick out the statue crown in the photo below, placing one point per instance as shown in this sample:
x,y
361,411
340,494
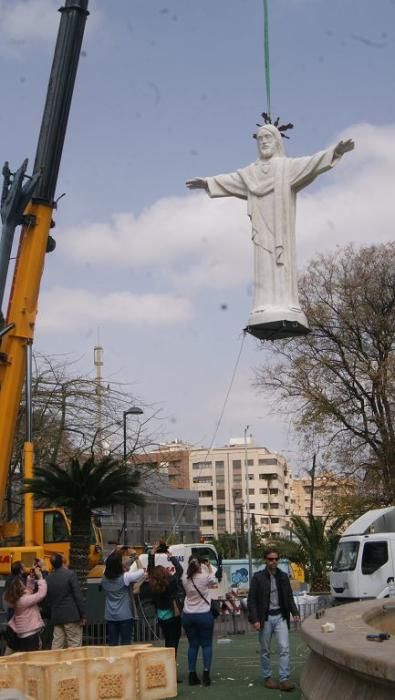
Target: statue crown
x,y
281,128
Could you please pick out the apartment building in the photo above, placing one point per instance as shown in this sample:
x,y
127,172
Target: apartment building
x,y
172,458
227,493
327,489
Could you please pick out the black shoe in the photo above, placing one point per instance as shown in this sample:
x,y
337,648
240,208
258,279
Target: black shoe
x,y
206,678
193,679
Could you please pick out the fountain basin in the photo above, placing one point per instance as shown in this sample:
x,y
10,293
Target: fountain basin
x,y
344,664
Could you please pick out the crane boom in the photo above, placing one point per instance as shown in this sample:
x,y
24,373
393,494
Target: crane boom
x,y
36,219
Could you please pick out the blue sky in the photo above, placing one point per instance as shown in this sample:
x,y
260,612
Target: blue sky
x,y
168,90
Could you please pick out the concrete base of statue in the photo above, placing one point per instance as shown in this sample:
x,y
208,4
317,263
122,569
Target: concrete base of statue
x,y
274,322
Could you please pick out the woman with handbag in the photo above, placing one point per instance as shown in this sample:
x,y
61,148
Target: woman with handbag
x,y
164,589
23,629
197,618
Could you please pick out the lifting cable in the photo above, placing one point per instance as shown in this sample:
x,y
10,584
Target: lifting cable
x,y
266,54
268,100
221,415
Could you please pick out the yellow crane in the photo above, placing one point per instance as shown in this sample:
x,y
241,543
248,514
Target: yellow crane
x,y
30,202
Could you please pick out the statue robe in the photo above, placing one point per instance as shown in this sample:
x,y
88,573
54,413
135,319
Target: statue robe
x,y
270,188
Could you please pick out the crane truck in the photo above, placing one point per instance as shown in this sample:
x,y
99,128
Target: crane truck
x,y
29,202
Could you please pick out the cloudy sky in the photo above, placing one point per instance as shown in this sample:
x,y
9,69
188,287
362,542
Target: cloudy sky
x,y
168,90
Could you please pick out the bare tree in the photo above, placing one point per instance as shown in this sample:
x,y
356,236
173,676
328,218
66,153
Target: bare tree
x,y
67,424
338,382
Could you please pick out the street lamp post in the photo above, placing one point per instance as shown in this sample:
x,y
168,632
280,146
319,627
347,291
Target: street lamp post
x,y
132,411
247,506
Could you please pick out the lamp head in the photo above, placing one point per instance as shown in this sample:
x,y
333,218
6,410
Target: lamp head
x,y
133,411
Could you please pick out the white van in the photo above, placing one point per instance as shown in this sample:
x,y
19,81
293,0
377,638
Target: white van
x,y
364,563
183,552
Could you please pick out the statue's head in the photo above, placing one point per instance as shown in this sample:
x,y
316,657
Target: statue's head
x,y
269,141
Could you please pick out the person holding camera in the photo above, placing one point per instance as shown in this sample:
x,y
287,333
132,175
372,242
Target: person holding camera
x,y
197,618
165,594
23,629
118,612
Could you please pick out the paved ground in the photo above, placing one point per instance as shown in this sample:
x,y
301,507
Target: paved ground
x,y
235,670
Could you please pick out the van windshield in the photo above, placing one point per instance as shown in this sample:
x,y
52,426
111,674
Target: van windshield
x,y
346,556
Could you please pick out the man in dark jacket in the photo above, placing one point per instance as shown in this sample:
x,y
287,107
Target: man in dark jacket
x,y
270,605
66,604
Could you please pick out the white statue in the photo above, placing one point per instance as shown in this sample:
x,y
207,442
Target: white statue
x,y
270,186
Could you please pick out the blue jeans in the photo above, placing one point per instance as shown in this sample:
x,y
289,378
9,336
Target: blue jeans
x,y
119,632
275,624
199,630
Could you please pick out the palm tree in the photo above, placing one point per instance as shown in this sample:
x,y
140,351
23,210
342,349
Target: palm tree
x,y
312,546
82,488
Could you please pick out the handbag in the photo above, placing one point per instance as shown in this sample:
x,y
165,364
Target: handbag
x,y
176,609
214,608
12,639
214,605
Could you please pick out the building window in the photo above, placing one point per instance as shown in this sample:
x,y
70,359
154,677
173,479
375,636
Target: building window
x,y
262,491
274,492
205,494
252,506
219,465
220,495
275,520
264,521
250,477
236,463
250,462
221,509
201,465
207,523
264,506
251,492
202,480
267,460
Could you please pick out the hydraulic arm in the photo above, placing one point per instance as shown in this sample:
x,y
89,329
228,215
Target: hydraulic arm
x,y
31,205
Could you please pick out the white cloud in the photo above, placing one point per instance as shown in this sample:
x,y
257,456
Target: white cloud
x,y
23,22
354,203
28,20
194,242
65,310
205,242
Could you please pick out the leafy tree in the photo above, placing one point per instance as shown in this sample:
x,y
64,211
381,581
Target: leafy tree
x,y
338,382
312,546
234,545
82,487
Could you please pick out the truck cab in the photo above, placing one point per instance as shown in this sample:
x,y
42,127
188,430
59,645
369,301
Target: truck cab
x,y
51,532
364,562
